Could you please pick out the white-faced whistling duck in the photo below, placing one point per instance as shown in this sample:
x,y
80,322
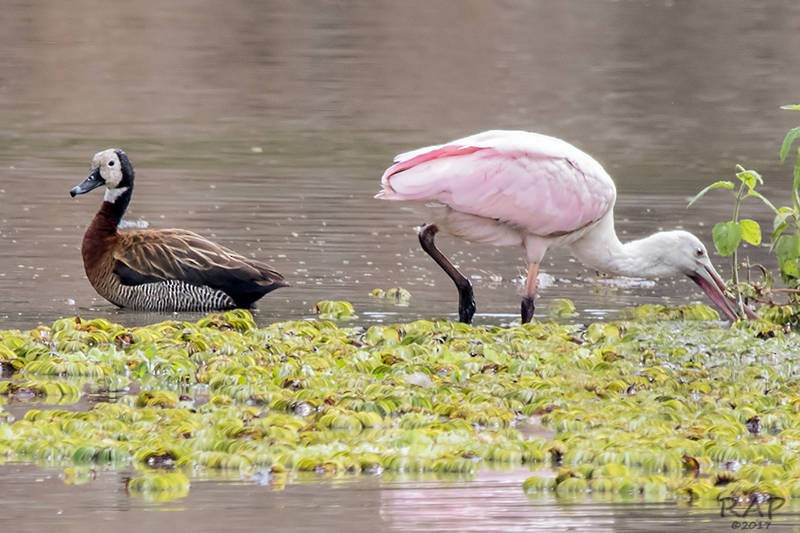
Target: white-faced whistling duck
x,y
167,270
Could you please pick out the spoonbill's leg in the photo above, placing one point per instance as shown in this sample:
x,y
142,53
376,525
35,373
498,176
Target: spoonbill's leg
x,y
466,299
531,284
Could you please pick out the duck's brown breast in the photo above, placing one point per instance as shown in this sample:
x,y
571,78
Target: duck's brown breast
x,y
97,249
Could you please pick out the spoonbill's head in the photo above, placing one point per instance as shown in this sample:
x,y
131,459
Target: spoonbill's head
x,y
683,253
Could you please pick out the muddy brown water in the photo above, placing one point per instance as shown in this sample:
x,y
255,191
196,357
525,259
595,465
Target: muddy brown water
x,y
266,126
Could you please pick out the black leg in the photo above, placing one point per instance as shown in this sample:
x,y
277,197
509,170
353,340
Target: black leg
x,y
466,299
531,284
527,309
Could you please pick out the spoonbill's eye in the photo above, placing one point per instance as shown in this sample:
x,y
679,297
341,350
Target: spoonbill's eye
x,y
699,252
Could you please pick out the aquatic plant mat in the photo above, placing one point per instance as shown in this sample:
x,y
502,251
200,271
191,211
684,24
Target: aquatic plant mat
x,y
657,407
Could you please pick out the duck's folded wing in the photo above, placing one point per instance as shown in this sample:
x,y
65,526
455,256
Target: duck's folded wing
x,y
152,256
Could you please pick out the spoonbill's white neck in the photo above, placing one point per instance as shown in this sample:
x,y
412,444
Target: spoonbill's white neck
x,y
650,257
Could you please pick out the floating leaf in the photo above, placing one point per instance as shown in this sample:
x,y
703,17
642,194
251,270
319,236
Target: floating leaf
x,y
334,310
538,484
396,295
561,308
160,486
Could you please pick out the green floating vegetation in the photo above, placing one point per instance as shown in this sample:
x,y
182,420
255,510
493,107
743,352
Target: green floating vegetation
x,y
561,308
395,295
334,310
662,312
159,486
657,407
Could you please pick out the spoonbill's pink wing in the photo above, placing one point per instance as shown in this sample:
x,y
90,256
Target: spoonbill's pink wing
x,y
540,183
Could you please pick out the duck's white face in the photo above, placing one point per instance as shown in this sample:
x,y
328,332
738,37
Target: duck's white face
x,y
110,167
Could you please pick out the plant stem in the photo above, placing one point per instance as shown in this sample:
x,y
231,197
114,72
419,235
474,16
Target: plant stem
x,y
735,256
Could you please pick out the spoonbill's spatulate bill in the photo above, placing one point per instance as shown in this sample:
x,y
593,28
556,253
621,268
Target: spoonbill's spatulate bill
x,y
531,190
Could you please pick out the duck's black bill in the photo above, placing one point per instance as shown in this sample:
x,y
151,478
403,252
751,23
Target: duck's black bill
x,y
92,181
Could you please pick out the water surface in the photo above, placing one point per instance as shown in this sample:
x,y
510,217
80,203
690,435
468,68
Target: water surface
x,y
491,501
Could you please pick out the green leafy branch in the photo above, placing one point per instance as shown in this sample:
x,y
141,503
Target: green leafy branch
x,y
729,236
786,227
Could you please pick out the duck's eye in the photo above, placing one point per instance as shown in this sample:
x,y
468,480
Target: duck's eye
x,y
699,252
111,163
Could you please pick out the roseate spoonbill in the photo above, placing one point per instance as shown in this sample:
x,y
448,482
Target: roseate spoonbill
x,y
531,190
166,270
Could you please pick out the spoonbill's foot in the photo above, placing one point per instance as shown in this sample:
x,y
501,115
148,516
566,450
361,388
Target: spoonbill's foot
x,y
466,305
527,309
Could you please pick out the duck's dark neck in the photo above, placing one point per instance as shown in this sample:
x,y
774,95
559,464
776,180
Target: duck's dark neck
x,y
110,213
119,200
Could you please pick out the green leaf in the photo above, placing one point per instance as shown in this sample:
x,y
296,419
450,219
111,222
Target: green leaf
x,y
751,231
751,178
727,236
789,269
788,141
791,107
796,182
777,232
788,251
722,184
780,223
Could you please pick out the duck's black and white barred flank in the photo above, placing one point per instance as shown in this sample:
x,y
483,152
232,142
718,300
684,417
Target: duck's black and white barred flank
x,y
173,295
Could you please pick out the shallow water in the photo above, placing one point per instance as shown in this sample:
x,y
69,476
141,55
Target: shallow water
x,y
267,126
492,501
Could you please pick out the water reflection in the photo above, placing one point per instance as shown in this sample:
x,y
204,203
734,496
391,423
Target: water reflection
x,y
492,501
